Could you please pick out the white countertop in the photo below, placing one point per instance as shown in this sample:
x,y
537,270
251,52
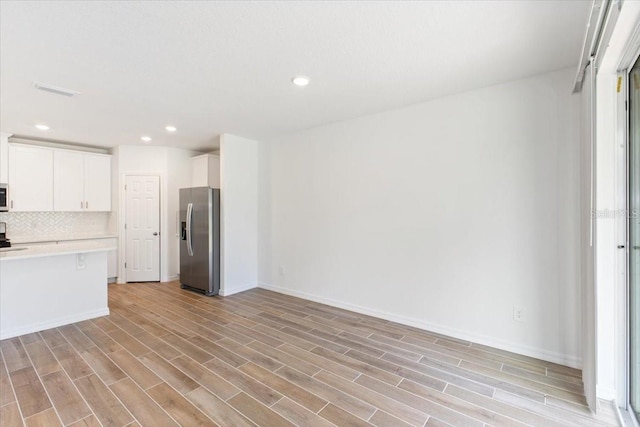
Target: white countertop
x,y
58,238
73,247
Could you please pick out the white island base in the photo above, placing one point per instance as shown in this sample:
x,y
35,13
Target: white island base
x,y
42,289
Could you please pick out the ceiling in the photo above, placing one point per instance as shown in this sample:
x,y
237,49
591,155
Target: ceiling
x,y
226,67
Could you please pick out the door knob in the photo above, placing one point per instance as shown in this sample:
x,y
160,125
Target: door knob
x,y
155,233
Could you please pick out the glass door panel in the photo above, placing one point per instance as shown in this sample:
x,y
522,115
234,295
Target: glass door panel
x,y
634,239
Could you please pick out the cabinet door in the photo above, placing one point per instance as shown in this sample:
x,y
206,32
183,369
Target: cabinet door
x,y
205,171
199,171
112,264
97,183
214,171
68,178
30,178
4,157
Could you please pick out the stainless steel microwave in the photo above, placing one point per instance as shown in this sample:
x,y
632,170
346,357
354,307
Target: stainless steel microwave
x,y
4,198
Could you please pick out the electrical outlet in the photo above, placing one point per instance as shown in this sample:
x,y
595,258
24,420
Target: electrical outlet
x,y
518,313
282,271
81,263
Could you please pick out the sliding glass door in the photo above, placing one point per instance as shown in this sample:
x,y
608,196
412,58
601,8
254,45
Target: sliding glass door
x,y
634,239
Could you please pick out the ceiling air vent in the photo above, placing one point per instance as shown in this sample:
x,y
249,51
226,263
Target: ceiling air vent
x,y
55,89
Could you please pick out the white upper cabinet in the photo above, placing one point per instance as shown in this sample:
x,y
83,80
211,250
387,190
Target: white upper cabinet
x,y
30,178
97,182
68,181
82,181
4,157
43,179
205,171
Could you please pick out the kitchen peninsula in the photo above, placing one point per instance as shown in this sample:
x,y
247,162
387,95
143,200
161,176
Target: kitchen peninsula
x,y
45,286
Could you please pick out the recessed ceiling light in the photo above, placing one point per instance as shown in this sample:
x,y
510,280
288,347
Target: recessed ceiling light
x,y
171,128
146,138
42,127
300,80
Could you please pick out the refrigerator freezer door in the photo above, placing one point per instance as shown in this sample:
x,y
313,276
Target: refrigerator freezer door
x,y
201,219
185,259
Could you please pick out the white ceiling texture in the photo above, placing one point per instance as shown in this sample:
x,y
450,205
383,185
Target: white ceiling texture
x,y
214,67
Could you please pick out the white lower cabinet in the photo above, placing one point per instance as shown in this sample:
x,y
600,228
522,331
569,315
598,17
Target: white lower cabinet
x,y
112,265
112,261
112,255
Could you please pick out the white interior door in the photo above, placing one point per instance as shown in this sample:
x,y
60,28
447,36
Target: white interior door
x,y
142,228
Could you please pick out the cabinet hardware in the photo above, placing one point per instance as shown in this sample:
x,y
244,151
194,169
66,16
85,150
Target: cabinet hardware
x,y
86,205
81,205
620,246
12,204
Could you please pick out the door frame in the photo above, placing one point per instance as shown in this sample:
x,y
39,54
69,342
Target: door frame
x,y
122,215
622,238
626,121
621,49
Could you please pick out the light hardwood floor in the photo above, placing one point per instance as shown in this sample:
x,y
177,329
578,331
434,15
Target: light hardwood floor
x,y
165,356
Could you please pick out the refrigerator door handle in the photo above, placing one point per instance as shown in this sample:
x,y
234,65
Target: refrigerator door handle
x,y
189,218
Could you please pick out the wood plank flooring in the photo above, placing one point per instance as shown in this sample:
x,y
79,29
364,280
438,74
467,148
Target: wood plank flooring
x,y
165,356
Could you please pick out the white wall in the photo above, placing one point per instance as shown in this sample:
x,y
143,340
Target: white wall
x,y
444,215
178,176
173,166
265,228
239,216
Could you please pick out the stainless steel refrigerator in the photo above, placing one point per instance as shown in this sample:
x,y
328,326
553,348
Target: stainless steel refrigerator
x,y
200,239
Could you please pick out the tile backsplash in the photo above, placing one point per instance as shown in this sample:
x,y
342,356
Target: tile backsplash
x,y
25,225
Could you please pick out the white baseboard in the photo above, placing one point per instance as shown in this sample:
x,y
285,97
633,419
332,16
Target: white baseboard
x,y
36,327
501,344
169,278
227,291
